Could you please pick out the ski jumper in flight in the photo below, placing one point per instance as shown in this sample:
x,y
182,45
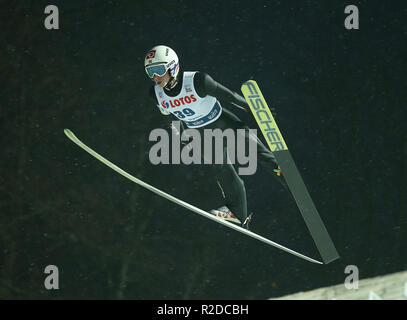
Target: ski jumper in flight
x,y
198,101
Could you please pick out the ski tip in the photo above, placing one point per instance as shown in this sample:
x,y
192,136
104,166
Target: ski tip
x,y
69,133
246,83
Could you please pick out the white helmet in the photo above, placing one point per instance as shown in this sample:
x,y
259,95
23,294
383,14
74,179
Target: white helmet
x,y
160,59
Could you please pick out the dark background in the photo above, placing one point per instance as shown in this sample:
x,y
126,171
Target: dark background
x,y
340,97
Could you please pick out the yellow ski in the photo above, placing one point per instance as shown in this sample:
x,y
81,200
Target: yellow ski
x,y
277,145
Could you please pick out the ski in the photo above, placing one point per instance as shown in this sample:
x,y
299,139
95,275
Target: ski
x,y
277,145
182,203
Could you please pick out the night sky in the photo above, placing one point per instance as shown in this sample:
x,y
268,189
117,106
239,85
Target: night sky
x,y
340,97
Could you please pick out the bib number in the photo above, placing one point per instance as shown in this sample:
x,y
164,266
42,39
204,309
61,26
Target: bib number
x,y
187,112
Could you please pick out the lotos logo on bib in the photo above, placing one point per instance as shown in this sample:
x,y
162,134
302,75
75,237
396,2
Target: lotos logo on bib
x,y
164,104
178,102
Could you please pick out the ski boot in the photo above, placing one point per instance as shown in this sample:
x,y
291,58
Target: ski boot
x,y
225,214
279,176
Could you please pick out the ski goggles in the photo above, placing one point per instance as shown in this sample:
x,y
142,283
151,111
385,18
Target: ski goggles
x,y
159,70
